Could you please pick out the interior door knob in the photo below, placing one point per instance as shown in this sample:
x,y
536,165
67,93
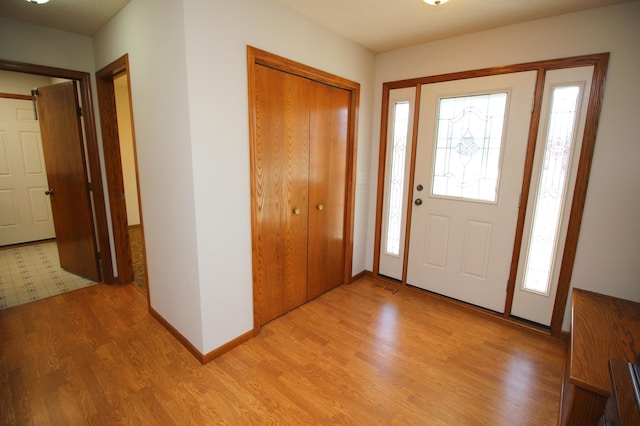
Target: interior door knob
x,y
296,212
320,207
48,192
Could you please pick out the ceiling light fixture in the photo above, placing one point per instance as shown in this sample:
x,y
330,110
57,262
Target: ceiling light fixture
x,y
435,2
38,1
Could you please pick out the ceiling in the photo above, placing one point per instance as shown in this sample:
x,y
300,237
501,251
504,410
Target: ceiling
x,y
76,16
379,25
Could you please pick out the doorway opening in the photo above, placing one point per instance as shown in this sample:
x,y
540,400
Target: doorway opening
x,y
120,156
89,160
437,232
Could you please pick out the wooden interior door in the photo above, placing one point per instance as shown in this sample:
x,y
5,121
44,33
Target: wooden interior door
x,y
328,125
280,164
63,149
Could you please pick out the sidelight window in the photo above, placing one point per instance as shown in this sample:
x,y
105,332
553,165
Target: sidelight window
x,y
396,187
552,189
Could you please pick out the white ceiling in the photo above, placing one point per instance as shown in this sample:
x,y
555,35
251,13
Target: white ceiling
x,y
379,25
76,16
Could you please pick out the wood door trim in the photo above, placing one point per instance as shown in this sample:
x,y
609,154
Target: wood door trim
x,y
600,63
257,56
261,57
580,192
113,165
15,96
93,152
525,189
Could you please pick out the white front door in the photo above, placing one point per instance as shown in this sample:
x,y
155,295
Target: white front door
x,y
25,210
565,101
472,139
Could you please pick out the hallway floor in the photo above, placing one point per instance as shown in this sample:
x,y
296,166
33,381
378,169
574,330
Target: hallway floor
x,y
32,272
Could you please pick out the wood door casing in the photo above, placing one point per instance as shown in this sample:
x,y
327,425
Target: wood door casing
x,y
63,150
280,164
113,165
93,157
329,117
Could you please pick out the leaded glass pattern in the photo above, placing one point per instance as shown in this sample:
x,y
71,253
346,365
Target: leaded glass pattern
x,y
552,189
396,183
468,146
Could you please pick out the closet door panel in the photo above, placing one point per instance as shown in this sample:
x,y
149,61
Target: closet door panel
x,y
328,123
280,191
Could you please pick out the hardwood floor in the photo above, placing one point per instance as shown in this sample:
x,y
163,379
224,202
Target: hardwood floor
x,y
356,355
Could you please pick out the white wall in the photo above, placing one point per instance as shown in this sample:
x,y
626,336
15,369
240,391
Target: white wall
x,y
190,107
608,254
17,83
152,33
34,44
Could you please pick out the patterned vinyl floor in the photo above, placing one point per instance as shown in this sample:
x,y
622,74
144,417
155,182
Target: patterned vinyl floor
x,y
32,272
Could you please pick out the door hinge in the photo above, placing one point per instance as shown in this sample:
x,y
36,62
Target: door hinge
x,y
79,108
98,255
34,93
89,187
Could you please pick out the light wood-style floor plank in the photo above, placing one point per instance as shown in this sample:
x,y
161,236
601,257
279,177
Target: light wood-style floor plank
x,y
356,355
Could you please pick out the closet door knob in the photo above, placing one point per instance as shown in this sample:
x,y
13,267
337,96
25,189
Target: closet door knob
x,y
296,212
320,207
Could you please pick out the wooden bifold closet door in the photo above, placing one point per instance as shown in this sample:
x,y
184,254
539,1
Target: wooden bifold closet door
x,y
299,189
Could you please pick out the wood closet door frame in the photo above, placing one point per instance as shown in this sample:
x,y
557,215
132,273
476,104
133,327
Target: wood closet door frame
x,y
257,57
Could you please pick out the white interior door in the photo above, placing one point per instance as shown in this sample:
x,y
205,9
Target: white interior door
x,y
472,139
396,185
25,210
565,101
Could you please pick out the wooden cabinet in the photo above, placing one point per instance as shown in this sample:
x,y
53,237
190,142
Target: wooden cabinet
x,y
300,174
603,328
623,408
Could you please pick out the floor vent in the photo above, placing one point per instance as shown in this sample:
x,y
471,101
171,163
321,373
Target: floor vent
x,y
391,290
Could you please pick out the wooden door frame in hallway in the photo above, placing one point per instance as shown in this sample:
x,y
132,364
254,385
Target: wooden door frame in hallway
x,y
93,156
113,164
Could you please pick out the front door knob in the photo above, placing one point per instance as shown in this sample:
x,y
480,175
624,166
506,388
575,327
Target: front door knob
x,y
418,202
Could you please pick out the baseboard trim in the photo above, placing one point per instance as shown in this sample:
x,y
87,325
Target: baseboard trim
x,y
179,337
358,276
208,357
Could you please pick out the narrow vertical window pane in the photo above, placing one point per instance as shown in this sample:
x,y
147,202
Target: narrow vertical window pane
x,y
396,187
552,189
468,144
